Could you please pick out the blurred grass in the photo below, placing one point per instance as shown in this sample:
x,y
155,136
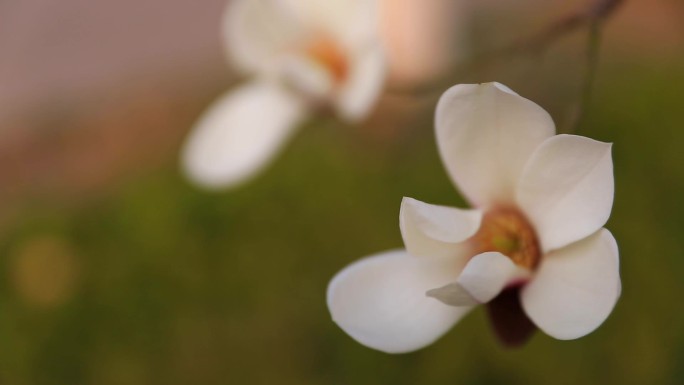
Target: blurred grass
x,y
180,286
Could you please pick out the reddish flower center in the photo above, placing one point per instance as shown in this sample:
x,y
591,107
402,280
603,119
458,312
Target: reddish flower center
x,y
507,231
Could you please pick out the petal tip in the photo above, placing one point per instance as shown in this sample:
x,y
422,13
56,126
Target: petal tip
x,y
503,88
453,295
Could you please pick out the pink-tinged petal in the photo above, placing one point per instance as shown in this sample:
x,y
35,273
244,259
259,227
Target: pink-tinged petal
x,y
362,86
436,231
380,301
256,33
575,288
485,134
566,190
482,279
240,133
424,39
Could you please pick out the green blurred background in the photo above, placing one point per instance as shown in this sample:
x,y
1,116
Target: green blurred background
x,y
115,270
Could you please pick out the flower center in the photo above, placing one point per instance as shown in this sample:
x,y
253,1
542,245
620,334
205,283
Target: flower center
x,y
331,56
507,231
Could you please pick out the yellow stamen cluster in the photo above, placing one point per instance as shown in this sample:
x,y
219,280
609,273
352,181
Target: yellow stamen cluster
x,y
507,231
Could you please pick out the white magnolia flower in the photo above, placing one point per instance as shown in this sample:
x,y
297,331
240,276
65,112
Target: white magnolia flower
x,y
301,54
533,248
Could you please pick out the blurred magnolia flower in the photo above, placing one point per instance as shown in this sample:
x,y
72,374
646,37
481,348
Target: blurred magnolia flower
x,y
533,248
301,54
423,39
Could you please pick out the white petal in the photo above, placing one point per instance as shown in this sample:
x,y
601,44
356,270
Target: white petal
x,y
566,190
360,91
256,32
575,288
482,279
435,231
380,301
351,22
240,133
307,76
485,135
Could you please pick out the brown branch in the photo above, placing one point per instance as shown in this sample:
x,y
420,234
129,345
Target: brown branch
x,y
579,111
595,14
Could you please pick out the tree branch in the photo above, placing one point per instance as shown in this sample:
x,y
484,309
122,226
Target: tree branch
x,y
593,15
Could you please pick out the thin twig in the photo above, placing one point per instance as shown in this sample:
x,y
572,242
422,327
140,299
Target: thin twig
x,y
595,14
585,92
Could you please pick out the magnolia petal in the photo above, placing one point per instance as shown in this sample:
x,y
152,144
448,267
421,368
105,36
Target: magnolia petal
x,y
566,190
306,76
485,134
351,22
240,133
380,301
575,288
256,32
482,279
435,231
358,93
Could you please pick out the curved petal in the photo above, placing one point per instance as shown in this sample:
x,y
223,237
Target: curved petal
x,y
436,231
485,134
240,133
359,92
566,190
255,33
380,301
575,288
306,76
482,279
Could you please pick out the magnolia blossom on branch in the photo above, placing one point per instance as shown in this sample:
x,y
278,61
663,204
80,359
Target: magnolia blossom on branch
x,y
533,248
300,55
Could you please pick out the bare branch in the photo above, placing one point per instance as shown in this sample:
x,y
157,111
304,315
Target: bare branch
x,y
593,15
585,92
